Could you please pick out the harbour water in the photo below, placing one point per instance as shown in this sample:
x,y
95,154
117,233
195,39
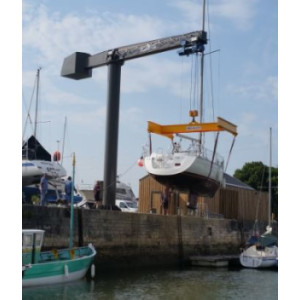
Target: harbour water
x,y
188,283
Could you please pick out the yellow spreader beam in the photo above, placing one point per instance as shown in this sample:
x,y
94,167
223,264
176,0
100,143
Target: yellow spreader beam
x,y
170,130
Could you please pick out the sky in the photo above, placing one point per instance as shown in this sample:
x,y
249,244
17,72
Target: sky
x,y
240,80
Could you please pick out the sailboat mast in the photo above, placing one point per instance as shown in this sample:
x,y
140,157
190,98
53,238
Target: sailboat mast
x,y
36,101
201,78
63,145
270,212
72,204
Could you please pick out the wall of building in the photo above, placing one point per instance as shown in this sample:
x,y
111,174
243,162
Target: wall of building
x,y
244,205
135,239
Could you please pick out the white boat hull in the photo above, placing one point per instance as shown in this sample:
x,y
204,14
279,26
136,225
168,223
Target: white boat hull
x,y
32,170
254,258
186,170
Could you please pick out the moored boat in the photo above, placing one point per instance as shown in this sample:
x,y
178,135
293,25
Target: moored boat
x,y
55,266
262,251
255,257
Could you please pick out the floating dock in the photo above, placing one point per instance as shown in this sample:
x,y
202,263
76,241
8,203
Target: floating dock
x,y
217,261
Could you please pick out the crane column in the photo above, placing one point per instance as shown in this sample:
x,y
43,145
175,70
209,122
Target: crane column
x,y
112,130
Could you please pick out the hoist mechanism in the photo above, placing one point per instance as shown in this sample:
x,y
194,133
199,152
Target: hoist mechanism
x,y
192,47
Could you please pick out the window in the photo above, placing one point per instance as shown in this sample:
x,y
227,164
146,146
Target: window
x,y
121,191
38,239
123,205
27,240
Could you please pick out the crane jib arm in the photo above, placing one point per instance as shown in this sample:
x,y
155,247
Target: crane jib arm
x,y
170,130
79,65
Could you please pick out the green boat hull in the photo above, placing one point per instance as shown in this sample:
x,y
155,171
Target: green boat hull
x,y
59,267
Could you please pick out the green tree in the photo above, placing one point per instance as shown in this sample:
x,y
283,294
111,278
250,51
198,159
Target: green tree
x,y
256,175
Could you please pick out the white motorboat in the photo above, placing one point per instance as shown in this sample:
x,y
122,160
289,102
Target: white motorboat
x,y
123,192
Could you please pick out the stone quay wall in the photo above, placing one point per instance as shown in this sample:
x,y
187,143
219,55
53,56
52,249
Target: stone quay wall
x,y
134,239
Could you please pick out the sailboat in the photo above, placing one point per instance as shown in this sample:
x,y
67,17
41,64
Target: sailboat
x,y
263,253
36,160
54,266
194,168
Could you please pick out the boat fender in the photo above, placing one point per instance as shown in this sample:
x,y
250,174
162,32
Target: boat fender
x,y
56,156
54,253
66,271
141,162
93,271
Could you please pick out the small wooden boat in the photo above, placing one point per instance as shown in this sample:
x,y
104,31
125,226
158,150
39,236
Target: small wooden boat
x,y
55,266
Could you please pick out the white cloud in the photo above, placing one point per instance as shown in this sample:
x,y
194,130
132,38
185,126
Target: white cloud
x,y
147,73
54,35
262,91
240,13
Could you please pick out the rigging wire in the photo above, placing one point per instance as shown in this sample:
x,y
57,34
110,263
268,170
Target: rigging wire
x,y
210,65
122,174
195,81
28,117
181,98
191,81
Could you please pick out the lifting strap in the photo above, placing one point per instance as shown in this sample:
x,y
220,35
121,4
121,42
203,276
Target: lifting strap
x,y
229,153
214,153
150,143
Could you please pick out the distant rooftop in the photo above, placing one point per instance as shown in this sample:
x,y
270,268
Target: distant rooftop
x,y
232,181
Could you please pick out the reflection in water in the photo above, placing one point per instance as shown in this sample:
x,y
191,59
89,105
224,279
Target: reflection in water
x,y
191,283
73,290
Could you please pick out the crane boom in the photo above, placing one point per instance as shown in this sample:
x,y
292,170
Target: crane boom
x,y
79,65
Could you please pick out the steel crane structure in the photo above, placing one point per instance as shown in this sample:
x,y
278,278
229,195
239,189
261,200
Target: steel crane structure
x,y
79,66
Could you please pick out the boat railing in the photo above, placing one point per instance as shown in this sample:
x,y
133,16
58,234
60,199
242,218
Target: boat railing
x,y
209,155
167,159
